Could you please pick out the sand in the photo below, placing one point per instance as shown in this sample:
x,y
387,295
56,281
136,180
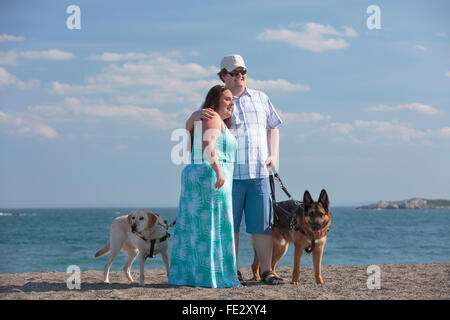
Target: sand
x,y
397,281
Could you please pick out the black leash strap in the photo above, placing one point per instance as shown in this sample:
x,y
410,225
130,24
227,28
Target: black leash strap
x,y
272,185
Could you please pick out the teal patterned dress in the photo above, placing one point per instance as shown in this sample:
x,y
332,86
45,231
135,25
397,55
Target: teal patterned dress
x,y
203,245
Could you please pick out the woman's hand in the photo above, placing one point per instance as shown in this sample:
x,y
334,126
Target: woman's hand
x,y
220,180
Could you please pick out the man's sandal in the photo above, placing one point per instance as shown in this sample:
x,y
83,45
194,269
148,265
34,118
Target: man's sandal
x,y
270,278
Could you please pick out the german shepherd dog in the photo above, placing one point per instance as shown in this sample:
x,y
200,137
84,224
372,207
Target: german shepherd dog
x,y
310,234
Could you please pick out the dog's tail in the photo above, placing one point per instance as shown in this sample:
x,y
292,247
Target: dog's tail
x,y
102,251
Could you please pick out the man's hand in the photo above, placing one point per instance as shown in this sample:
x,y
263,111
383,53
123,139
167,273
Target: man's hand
x,y
203,114
271,162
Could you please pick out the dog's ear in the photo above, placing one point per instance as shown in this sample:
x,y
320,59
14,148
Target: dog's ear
x,y
323,199
151,220
307,199
129,218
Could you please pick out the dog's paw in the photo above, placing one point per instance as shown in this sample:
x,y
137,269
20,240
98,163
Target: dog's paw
x,y
295,282
319,279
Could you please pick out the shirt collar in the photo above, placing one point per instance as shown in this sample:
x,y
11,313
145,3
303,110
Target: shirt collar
x,y
246,92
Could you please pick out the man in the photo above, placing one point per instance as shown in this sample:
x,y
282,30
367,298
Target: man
x,y
255,126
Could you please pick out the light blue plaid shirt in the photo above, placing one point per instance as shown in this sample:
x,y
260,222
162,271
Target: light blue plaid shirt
x,y
253,114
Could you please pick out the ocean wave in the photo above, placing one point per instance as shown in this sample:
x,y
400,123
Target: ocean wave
x,y
15,214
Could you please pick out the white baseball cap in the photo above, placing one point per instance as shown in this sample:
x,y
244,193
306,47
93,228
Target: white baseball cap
x,y
232,62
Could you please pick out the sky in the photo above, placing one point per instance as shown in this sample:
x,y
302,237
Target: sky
x,y
90,104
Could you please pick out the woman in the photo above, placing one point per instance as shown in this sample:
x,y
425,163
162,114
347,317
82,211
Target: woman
x,y
203,252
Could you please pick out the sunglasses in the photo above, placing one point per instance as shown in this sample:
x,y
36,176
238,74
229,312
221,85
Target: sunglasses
x,y
235,73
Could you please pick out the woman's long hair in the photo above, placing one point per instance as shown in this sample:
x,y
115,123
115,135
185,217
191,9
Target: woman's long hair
x,y
212,101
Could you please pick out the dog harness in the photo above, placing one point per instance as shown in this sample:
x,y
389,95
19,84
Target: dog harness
x,y
152,244
162,239
286,212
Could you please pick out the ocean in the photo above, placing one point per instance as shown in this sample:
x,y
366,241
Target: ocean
x,y
33,240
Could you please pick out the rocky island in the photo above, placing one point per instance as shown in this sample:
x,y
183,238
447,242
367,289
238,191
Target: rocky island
x,y
415,203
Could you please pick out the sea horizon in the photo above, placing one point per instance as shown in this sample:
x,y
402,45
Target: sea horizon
x,y
165,205
129,206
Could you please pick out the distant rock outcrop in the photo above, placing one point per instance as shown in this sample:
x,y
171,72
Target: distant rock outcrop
x,y
415,203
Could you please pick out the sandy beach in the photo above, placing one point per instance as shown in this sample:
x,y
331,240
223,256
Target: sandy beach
x,y
398,281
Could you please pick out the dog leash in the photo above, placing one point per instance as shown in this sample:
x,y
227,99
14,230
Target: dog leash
x,y
281,214
272,184
170,225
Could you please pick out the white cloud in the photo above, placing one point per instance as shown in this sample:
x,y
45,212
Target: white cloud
x,y
8,58
130,90
112,57
447,74
4,117
74,109
417,107
73,89
391,129
278,85
443,133
7,79
48,55
37,120
362,131
420,47
6,37
121,148
290,117
342,128
156,79
39,130
24,125
312,38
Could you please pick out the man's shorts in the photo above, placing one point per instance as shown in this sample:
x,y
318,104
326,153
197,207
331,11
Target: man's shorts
x,y
253,197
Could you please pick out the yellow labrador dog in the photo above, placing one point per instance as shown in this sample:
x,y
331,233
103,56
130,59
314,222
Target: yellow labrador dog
x,y
141,232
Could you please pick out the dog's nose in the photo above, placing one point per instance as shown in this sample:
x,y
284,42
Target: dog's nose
x,y
133,227
315,226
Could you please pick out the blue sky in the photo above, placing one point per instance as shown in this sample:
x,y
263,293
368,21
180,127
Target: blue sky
x,y
86,115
